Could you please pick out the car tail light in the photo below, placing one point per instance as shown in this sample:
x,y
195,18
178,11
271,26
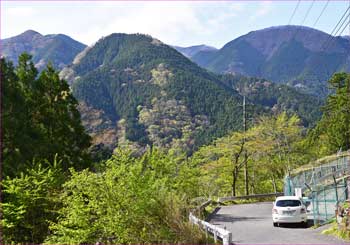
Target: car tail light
x,y
274,211
303,211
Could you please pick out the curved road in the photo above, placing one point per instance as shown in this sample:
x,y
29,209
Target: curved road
x,y
252,224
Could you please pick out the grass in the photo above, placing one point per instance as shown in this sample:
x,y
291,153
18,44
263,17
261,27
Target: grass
x,y
340,232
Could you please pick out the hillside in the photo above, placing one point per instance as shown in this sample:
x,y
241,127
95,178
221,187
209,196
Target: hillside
x,y
290,55
57,48
135,90
276,97
193,50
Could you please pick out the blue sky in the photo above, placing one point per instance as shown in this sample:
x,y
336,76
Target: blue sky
x,y
182,23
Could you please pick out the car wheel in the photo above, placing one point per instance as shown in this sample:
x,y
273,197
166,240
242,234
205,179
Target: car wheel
x,y
275,224
304,224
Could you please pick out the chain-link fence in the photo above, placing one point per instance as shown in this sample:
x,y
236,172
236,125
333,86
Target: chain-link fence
x,y
323,184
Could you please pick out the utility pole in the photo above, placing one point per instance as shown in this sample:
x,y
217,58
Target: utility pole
x,y
245,151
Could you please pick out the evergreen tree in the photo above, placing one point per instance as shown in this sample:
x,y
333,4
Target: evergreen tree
x,y
333,130
40,118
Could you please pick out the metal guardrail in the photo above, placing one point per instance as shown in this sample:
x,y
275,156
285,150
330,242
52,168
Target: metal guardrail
x,y
225,199
225,235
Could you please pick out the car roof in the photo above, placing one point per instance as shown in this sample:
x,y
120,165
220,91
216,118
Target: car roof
x,y
288,198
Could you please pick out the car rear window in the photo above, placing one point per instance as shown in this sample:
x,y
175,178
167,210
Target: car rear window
x,y
288,203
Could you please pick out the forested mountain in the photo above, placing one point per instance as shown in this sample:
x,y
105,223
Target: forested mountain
x,y
135,90
193,50
299,56
276,97
57,48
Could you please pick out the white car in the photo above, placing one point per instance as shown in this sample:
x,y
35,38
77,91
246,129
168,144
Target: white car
x,y
289,209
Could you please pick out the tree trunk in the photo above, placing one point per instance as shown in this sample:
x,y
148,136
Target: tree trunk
x,y
246,181
234,180
274,183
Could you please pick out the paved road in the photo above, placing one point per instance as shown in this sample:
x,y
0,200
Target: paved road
x,y
252,224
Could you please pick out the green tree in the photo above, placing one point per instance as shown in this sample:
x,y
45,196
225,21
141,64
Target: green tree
x,y
333,130
133,200
30,203
60,118
270,148
275,141
40,118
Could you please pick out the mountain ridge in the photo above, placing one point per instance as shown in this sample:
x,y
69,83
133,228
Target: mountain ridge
x,y
59,49
191,51
135,90
291,55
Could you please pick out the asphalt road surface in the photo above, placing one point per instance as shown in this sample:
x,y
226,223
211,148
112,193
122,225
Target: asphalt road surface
x,y
252,224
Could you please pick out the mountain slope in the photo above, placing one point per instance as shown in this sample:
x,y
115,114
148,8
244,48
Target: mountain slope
x,y
135,90
57,48
193,50
276,97
291,55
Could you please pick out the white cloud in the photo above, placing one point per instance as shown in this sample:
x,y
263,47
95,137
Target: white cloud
x,y
166,21
174,22
181,23
20,12
264,9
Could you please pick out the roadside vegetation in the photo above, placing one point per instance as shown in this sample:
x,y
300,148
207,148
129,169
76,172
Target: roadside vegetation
x,y
341,225
53,192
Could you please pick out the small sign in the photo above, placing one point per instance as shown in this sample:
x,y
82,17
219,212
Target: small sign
x,y
298,192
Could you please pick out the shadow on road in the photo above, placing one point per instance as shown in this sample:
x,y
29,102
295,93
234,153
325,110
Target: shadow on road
x,y
297,225
228,218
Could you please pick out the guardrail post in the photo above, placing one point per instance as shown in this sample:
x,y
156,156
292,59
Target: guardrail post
x,y
215,237
227,239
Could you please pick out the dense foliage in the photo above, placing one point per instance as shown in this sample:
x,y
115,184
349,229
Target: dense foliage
x,y
277,97
332,132
127,199
30,203
49,193
138,91
133,200
124,74
40,117
267,151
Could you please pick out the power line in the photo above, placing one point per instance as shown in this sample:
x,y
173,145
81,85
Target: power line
x,y
322,11
341,19
295,10
304,19
345,26
335,33
308,12
337,28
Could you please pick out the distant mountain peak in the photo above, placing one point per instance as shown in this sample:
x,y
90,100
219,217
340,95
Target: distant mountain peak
x,y
30,33
286,54
191,51
57,48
